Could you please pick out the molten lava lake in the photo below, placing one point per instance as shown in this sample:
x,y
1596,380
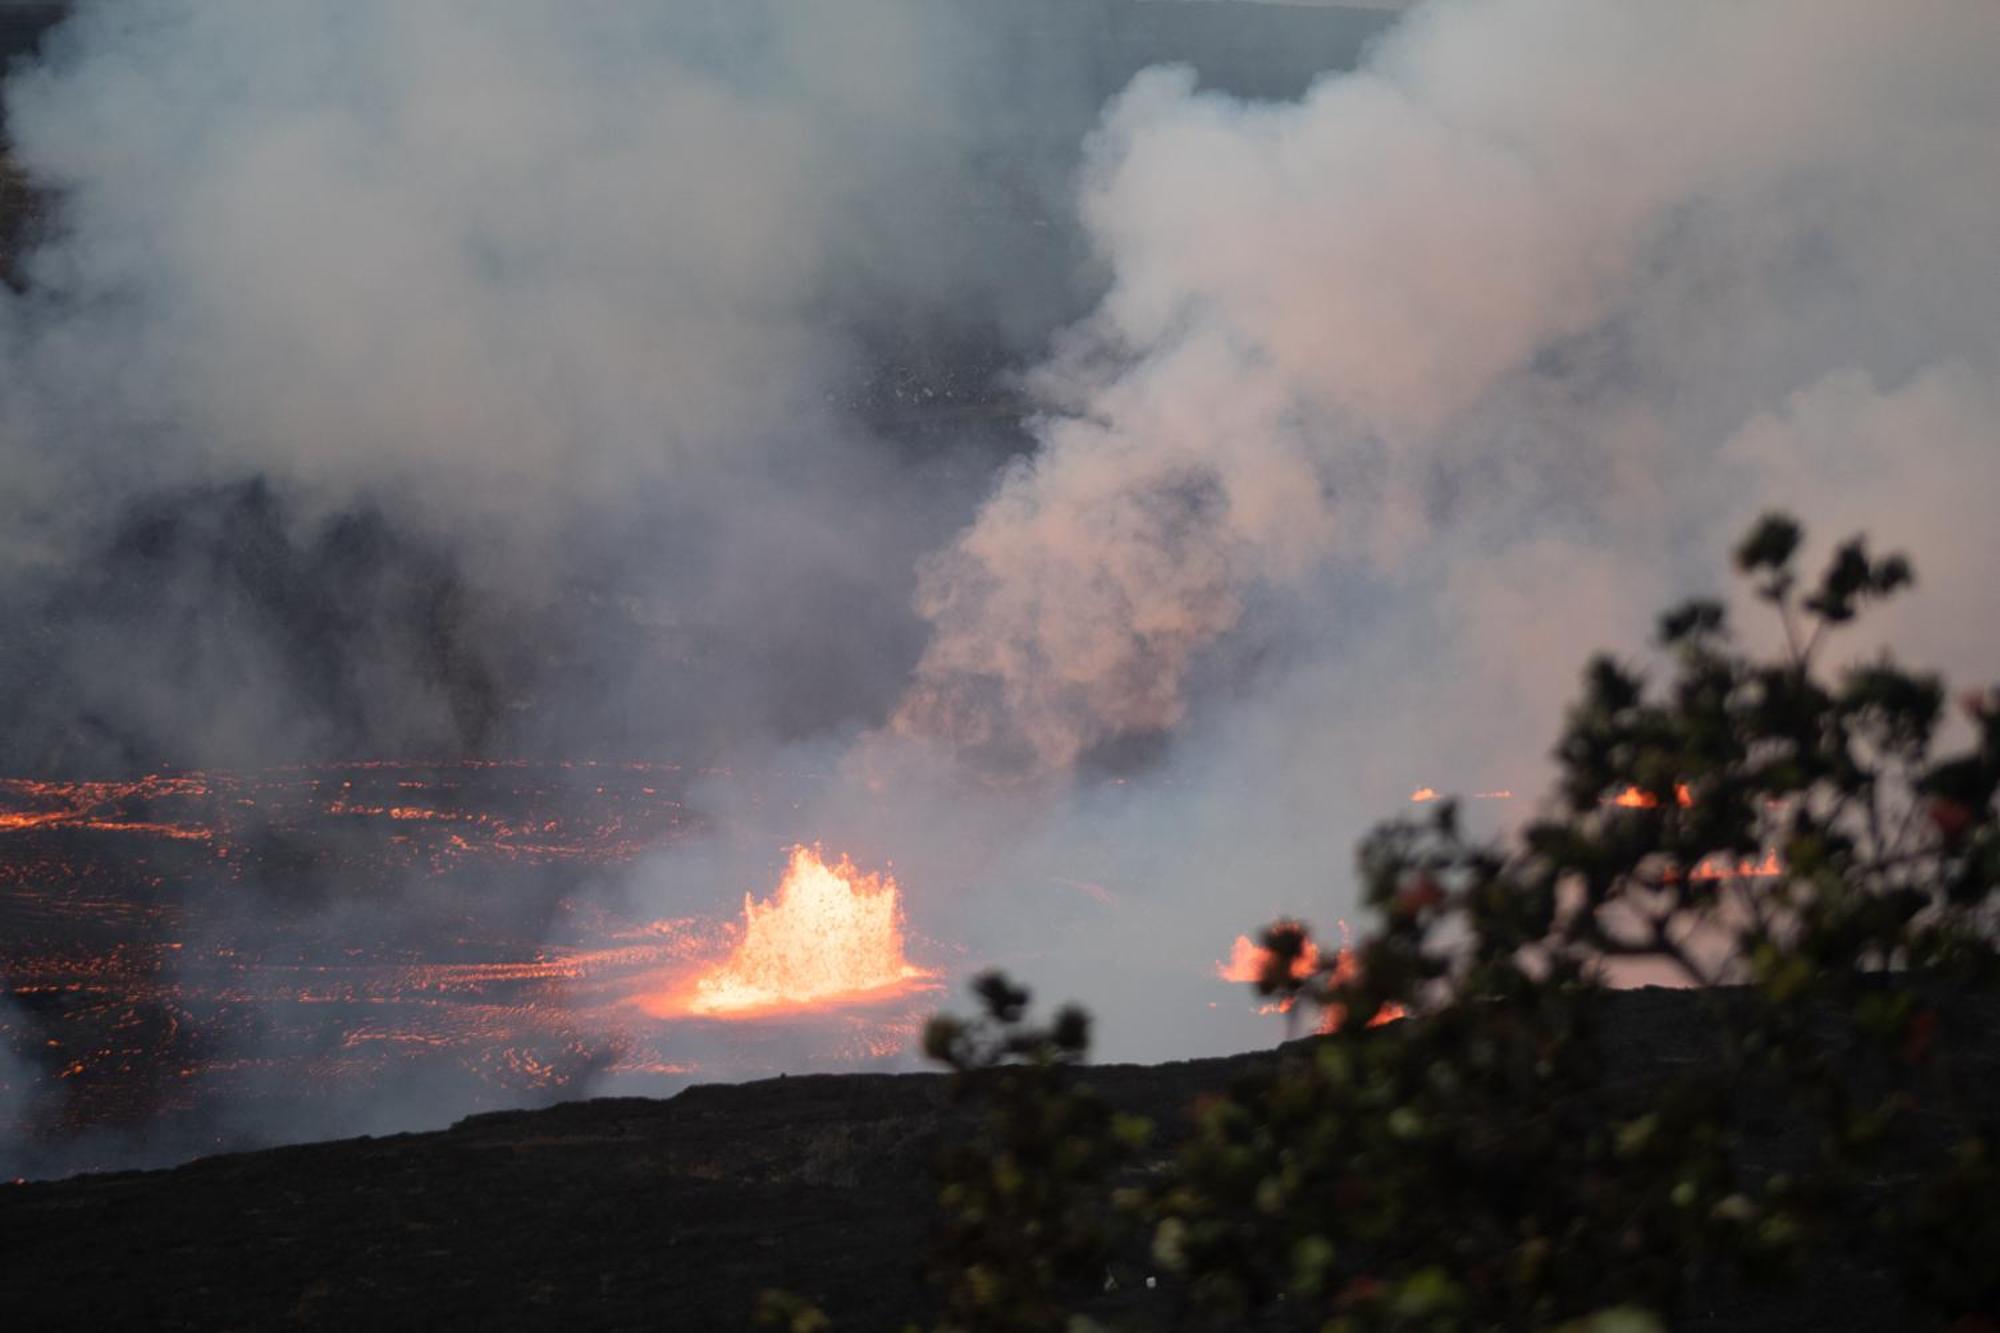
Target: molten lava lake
x,y
202,961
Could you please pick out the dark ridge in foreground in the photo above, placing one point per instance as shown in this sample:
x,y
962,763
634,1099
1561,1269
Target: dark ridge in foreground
x,y
634,1213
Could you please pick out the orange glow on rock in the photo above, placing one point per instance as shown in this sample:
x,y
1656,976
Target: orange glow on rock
x,y
830,937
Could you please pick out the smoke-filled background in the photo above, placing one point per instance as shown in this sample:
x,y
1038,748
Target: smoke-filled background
x,y
1096,455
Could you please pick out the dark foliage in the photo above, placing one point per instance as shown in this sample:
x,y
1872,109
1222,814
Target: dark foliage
x,y
1798,845
1025,1213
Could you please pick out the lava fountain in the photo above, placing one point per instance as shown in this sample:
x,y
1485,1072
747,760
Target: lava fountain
x,y
831,937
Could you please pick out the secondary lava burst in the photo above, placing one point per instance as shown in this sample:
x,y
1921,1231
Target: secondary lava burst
x,y
830,937
1251,962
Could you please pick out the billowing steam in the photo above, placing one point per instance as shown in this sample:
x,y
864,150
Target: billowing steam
x,y
650,381
1514,287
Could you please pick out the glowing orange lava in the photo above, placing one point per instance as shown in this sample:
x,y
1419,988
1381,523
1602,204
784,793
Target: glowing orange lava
x,y
1346,969
1719,867
1424,795
1632,798
1247,961
830,937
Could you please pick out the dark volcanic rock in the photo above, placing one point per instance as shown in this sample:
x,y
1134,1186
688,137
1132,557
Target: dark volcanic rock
x,y
632,1213
616,1213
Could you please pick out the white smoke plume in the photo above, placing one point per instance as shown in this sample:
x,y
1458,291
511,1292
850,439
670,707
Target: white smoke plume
x,y
1509,292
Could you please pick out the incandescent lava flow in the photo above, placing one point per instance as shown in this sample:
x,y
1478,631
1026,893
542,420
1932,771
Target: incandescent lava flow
x,y
196,962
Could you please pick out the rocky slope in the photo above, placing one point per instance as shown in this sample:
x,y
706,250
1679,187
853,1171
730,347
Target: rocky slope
x,y
672,1214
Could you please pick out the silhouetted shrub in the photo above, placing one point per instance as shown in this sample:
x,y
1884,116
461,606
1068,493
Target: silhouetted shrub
x,y
1795,845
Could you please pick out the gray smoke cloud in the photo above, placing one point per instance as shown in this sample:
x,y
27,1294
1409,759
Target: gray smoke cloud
x,y
579,300
665,337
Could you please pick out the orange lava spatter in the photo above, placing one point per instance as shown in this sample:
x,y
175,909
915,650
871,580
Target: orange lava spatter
x,y
830,936
1634,798
1248,962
